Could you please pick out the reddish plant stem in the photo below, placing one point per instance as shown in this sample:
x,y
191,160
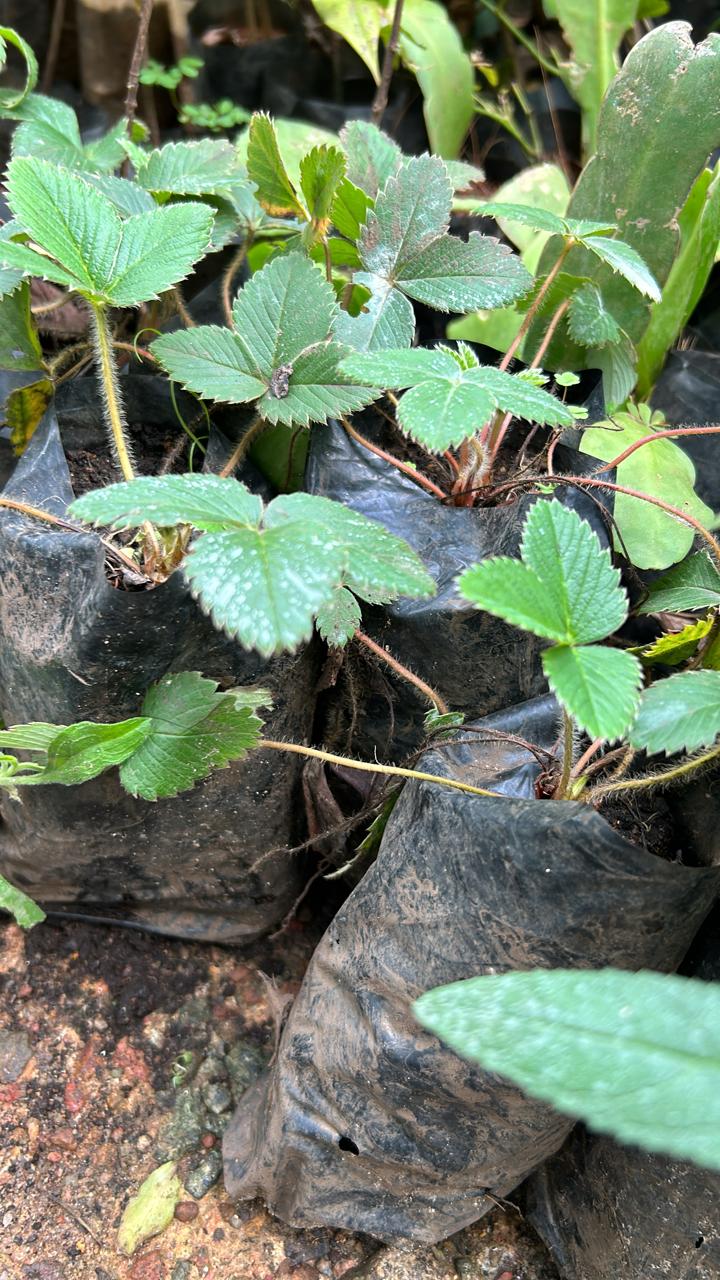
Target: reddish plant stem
x,y
533,310
407,470
495,445
656,435
403,671
136,64
381,97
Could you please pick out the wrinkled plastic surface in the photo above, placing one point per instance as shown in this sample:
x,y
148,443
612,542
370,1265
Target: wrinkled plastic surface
x,y
608,1210
477,663
71,648
367,1122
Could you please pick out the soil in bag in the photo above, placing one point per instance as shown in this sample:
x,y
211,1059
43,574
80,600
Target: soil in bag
x,y
365,1121
476,662
607,1210
75,647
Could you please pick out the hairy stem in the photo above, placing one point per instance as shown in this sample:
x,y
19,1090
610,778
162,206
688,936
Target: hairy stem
x,y
661,779
229,275
404,672
181,308
110,387
365,766
568,736
381,97
533,310
406,469
665,434
257,426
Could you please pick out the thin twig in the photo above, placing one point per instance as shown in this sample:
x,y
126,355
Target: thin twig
x,y
136,65
665,434
56,29
366,766
404,672
381,97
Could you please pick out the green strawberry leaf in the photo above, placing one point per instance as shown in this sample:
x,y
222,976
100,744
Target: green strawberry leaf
x,y
83,750
386,320
192,730
626,261
278,353
196,168
693,584
372,156
275,192
19,342
590,324
674,647
636,1055
321,173
349,209
338,619
510,590
527,215
25,912
206,502
598,687
681,713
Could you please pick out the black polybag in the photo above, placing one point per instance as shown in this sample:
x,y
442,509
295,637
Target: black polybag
x,y
609,1210
476,662
367,1122
72,647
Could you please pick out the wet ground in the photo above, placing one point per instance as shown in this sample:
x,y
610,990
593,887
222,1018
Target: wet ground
x,y
119,1051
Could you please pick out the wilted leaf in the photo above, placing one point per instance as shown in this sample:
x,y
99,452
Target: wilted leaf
x,y
24,411
26,912
151,1210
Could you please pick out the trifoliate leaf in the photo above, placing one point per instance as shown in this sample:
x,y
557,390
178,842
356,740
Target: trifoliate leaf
x,y
49,130
654,539
636,1055
25,912
598,687
195,168
193,729
589,322
674,647
575,596
206,502
265,587
151,1210
372,156
119,262
378,565
693,584
266,169
626,261
463,275
681,713
278,353
321,172
338,620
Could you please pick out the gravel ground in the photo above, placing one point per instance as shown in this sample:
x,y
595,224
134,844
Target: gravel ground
x,y
118,1051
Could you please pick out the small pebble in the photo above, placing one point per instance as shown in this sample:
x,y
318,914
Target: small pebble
x,y
208,1140
186,1210
181,1270
205,1175
217,1098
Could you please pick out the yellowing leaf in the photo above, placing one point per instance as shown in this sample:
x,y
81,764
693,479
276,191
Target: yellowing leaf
x,y
24,410
151,1210
675,647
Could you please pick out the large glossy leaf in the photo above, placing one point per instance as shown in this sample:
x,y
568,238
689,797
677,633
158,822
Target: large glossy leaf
x,y
636,1055
654,137
192,730
681,713
598,687
699,237
431,47
653,539
593,29
25,912
360,23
